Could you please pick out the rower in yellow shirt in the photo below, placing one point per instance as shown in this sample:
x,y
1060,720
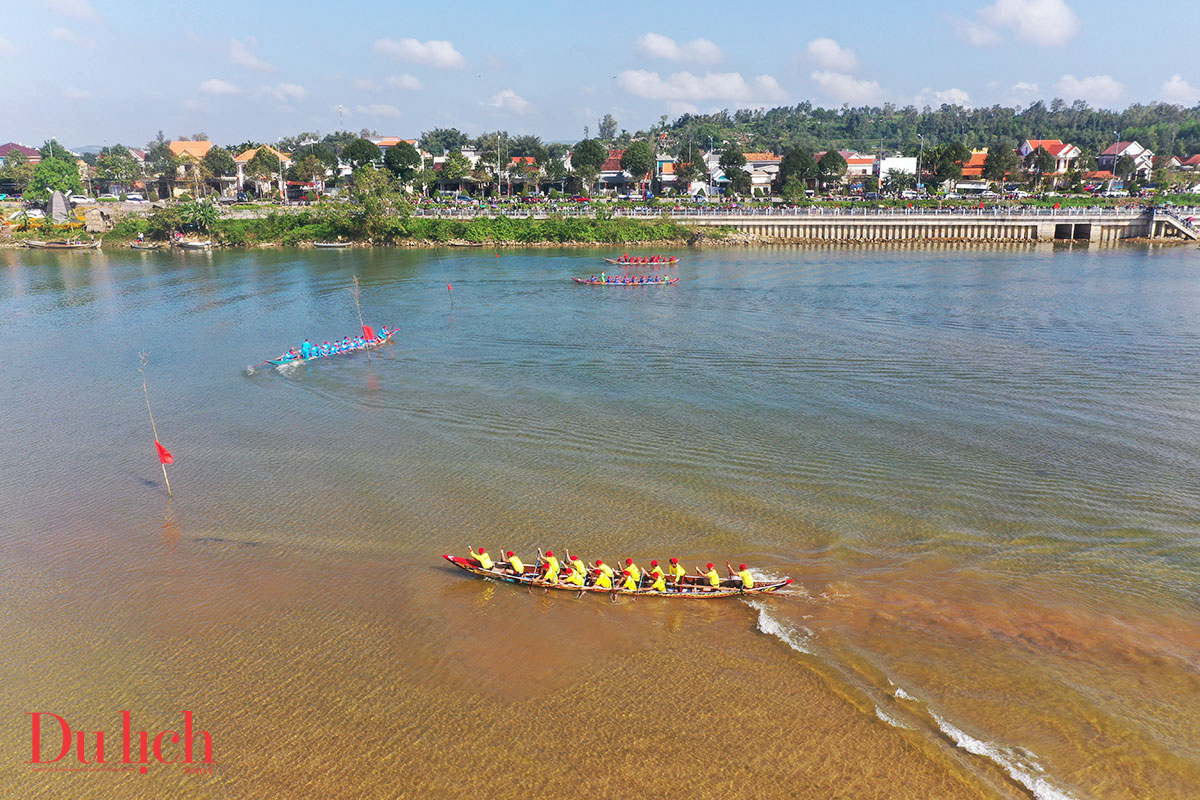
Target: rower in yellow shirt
x,y
742,573
714,580
660,582
485,561
515,564
550,563
575,576
676,571
634,572
603,579
627,581
605,571
655,572
576,563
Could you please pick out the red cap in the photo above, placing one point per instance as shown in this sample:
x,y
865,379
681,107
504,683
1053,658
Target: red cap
x,y
549,553
598,561
509,553
629,561
624,572
710,566
483,549
674,560
741,566
654,563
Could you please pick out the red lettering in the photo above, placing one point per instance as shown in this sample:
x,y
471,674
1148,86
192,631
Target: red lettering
x,y
158,746
125,737
187,740
81,747
37,737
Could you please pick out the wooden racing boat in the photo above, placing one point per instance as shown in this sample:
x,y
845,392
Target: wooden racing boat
x,y
693,587
39,245
377,342
664,281
624,263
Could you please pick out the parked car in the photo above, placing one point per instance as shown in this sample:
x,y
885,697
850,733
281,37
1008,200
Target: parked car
x,y
108,198
953,196
134,197
1116,193
80,200
989,193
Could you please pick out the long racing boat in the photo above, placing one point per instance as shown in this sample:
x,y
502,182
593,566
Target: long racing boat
x,y
692,587
634,262
379,341
621,281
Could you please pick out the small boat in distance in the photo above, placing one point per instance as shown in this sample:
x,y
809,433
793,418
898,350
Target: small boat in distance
x,y
183,244
641,262
74,245
617,280
691,587
144,246
331,244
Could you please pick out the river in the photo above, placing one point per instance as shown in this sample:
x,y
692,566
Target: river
x,y
980,465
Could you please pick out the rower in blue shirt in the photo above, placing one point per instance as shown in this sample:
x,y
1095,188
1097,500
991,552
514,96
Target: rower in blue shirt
x,y
305,349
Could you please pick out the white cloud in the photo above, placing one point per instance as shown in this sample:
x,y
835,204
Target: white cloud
x,y
7,48
1024,87
702,51
363,83
379,110
684,86
71,38
953,97
218,86
839,87
71,93
285,92
1177,90
828,54
1100,90
242,54
435,52
405,82
509,100
79,9
1043,22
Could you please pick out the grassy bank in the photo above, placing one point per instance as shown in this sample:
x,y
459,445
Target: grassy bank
x,y
321,225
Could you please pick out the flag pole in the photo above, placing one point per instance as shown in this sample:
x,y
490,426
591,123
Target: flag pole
x,y
153,427
359,308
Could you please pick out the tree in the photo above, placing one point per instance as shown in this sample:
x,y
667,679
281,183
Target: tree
x,y
51,175
16,170
220,163
456,167
1124,166
116,164
794,189
831,167
689,166
403,160
309,168
264,166
797,163
1039,162
361,152
733,158
376,201
586,159
607,129
945,161
638,160
52,149
443,140
739,181
1001,160
199,215
897,181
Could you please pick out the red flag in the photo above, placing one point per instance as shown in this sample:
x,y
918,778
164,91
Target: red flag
x,y
368,334
164,455
449,288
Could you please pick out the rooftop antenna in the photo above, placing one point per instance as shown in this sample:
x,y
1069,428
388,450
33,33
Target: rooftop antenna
x,y
341,124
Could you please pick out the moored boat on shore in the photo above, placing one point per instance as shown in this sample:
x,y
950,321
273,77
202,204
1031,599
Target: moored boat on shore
x,y
187,245
690,587
40,245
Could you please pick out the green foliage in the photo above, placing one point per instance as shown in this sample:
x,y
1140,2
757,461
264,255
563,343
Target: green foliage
x,y
16,169
220,163
1125,166
50,175
403,160
441,140
52,149
264,165
731,159
1001,160
361,152
456,166
606,130
1038,163
798,163
831,167
589,155
199,215
898,180
793,189
162,222
638,160
116,164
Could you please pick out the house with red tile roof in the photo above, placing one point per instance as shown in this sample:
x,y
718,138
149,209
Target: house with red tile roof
x,y
31,155
242,159
972,168
1064,154
186,147
1190,163
1143,159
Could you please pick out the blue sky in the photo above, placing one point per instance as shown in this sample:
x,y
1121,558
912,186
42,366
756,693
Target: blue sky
x,y
97,71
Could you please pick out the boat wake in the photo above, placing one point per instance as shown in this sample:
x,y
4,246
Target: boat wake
x,y
912,714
